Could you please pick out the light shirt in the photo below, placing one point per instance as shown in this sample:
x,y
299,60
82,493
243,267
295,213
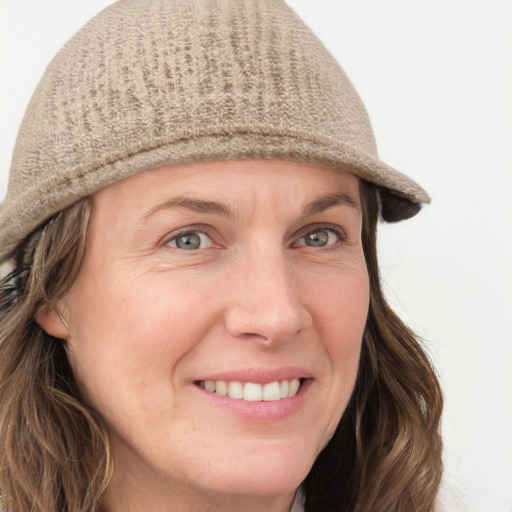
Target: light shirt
x,y
298,502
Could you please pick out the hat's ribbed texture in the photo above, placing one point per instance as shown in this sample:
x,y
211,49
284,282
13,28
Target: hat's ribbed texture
x,y
151,83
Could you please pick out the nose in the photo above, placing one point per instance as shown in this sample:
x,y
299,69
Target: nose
x,y
266,304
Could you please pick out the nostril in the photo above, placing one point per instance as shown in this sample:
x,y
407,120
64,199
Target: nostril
x,y
251,335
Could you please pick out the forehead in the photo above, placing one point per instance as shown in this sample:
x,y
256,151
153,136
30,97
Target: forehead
x,y
239,182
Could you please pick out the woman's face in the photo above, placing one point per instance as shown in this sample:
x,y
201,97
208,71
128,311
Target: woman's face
x,y
206,279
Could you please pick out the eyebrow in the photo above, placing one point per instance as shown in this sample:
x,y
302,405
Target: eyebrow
x,y
196,205
216,208
328,201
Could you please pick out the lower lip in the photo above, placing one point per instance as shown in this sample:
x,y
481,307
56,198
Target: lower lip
x,y
262,411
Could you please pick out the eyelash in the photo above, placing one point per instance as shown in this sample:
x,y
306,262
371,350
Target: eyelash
x,y
186,232
336,230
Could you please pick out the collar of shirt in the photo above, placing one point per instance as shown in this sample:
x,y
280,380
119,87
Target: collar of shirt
x,y
298,503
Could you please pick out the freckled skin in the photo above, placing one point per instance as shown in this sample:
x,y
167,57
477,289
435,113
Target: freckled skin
x,y
147,318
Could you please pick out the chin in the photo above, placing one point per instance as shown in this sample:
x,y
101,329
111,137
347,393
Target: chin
x,y
271,470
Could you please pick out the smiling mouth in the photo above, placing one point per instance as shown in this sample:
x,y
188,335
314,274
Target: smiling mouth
x,y
253,391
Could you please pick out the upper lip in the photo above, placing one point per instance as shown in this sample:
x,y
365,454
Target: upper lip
x,y
259,375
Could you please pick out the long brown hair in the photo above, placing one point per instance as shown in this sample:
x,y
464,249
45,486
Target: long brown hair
x,y
386,452
54,450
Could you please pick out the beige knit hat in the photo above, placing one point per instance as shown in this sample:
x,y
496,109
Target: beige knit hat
x,y
152,83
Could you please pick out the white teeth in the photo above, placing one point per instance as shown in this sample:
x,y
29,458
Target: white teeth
x,y
235,390
294,387
221,388
285,386
272,391
252,391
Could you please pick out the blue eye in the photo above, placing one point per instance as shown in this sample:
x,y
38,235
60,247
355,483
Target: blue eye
x,y
190,241
322,237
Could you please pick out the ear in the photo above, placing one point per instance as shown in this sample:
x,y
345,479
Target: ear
x,y
51,321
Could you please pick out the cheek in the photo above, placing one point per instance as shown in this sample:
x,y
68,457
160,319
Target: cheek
x,y
341,313
348,319
128,338
341,308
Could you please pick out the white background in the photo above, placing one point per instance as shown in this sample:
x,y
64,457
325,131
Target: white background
x,y
436,77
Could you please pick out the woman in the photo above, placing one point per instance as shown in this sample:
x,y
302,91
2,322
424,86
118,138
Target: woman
x,y
191,311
